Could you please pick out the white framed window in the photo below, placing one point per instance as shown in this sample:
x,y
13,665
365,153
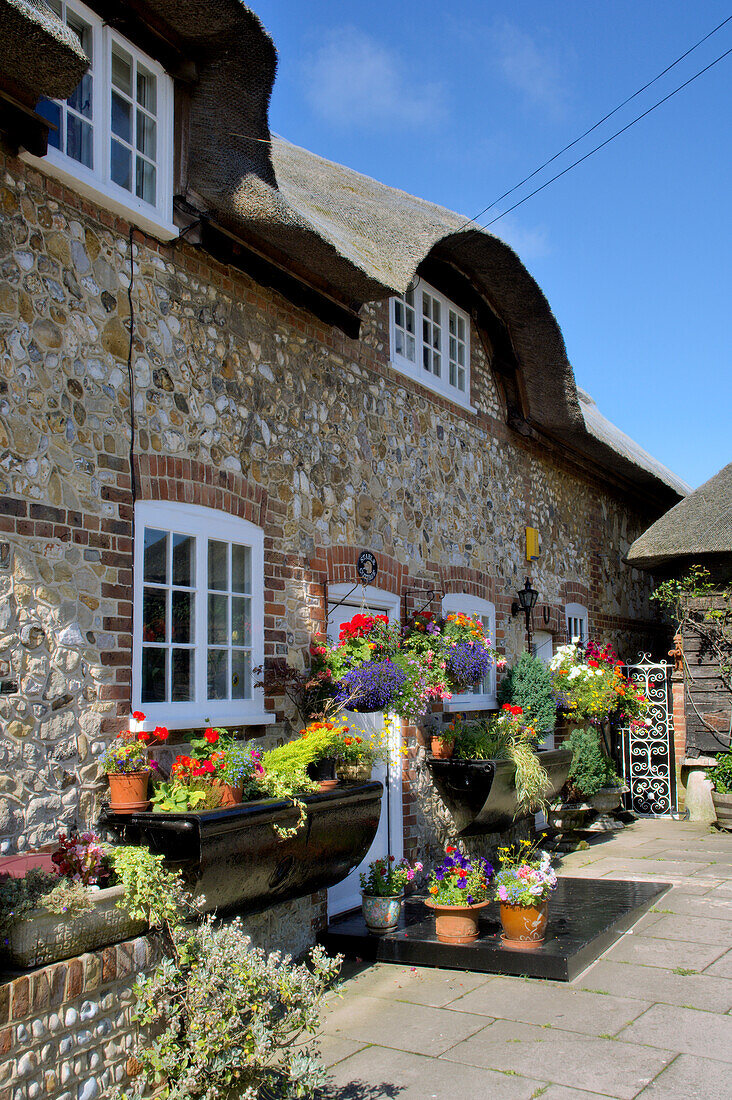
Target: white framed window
x,y
198,616
577,622
483,695
430,342
114,134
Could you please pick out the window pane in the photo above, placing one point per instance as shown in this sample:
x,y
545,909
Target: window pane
x,y
79,140
182,612
146,135
84,32
52,111
183,560
182,690
218,674
121,167
435,311
218,620
155,568
153,688
241,568
122,70
411,349
399,313
241,675
81,97
241,620
145,180
147,90
121,117
154,616
218,565
399,342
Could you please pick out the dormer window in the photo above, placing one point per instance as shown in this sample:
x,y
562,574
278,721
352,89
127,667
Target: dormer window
x,y
430,342
113,136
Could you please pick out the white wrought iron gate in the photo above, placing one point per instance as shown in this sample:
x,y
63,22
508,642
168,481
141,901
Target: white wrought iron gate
x,y
647,753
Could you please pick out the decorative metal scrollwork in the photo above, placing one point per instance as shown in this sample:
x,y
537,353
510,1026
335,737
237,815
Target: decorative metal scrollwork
x,y
648,763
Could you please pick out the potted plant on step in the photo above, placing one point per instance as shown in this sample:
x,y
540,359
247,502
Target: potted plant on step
x,y
128,767
722,790
382,886
459,890
523,885
442,741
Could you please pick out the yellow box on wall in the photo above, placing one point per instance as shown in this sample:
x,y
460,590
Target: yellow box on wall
x,y
532,544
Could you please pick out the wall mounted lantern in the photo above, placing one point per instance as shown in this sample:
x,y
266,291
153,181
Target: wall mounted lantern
x,y
527,597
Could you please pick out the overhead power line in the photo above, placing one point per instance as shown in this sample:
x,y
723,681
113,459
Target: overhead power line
x,y
599,123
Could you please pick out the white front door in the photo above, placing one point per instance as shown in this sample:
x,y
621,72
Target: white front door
x,y
389,839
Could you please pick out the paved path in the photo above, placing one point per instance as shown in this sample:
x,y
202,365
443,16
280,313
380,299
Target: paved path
x,y
652,1018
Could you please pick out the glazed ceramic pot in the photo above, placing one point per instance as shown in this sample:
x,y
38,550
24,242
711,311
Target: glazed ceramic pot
x,y
524,926
441,749
381,914
128,792
230,796
323,772
457,923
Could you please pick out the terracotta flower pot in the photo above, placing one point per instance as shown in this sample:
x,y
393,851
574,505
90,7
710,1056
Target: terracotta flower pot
x,y
230,796
456,923
381,914
441,749
524,926
128,792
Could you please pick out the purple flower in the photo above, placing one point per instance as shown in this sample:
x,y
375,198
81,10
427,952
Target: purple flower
x,y
470,899
467,663
439,874
377,683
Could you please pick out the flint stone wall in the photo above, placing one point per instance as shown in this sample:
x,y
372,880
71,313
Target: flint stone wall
x,y
244,400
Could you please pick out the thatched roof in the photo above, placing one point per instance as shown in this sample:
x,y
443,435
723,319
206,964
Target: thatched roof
x,y
698,526
38,51
357,236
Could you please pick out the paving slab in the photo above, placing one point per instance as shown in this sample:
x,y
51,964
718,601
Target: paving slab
x,y
648,951
419,1029
677,901
562,1092
376,1073
689,1078
722,968
651,983
419,984
612,1068
632,865
552,1004
334,1049
685,1030
698,930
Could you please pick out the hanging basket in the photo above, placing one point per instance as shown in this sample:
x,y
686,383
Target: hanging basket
x,y
376,685
466,664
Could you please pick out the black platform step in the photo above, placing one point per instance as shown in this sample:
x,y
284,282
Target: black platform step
x,y
586,916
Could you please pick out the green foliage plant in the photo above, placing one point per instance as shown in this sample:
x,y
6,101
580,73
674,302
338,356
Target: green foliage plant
x,y
175,797
712,625
591,768
223,1020
508,737
529,685
722,775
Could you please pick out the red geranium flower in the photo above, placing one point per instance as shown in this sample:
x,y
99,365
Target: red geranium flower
x,y
142,736
211,736
450,850
138,716
161,732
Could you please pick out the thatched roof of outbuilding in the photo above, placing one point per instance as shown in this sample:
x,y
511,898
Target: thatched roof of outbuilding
x,y
38,51
699,526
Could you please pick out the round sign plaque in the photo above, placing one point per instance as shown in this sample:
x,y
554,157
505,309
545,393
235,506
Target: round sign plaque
x,y
366,566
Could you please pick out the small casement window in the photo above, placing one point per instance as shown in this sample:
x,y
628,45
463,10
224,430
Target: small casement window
x,y
198,616
113,135
430,342
482,695
576,618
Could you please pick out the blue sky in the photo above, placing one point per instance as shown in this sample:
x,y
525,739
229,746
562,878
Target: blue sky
x,y
457,102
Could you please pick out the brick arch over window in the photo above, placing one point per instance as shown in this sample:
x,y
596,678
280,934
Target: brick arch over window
x,y
459,578
337,565
187,481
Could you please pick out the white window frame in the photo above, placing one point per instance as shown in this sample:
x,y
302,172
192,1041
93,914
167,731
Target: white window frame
x,y
415,370
453,603
96,183
576,613
202,523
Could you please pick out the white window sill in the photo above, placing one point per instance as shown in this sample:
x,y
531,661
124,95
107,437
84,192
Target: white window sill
x,y
449,394
139,213
198,721
476,702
